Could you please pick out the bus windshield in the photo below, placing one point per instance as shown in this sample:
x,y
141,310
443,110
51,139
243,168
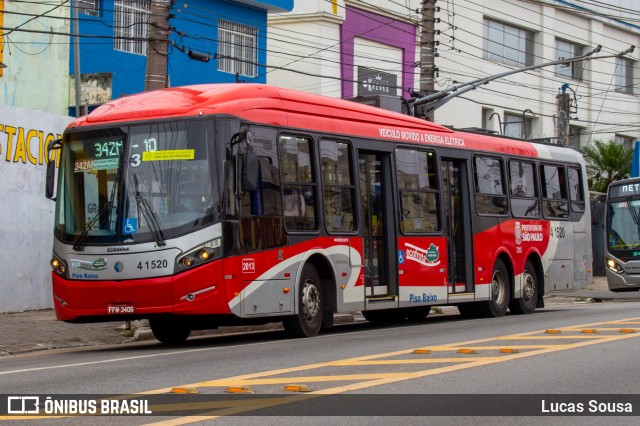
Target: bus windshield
x,y
624,225
136,183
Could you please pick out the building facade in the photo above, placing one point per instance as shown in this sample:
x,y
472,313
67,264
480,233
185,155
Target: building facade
x,y
344,48
34,54
226,38
339,47
34,78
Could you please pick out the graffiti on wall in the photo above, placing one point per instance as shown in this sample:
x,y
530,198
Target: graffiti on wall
x,y
24,137
27,216
26,145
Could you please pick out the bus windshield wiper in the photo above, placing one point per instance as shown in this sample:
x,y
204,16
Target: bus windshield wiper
x,y
106,207
634,213
147,212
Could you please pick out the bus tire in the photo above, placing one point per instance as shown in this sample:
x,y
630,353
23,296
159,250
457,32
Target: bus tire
x,y
308,321
169,330
526,304
500,291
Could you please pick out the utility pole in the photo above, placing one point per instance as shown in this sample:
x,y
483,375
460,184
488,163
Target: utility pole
x,y
76,60
427,50
562,118
157,48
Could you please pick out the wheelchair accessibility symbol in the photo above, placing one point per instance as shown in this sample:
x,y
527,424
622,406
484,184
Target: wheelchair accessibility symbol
x,y
401,256
130,226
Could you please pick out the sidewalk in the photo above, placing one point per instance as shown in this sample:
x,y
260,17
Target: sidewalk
x,y
39,330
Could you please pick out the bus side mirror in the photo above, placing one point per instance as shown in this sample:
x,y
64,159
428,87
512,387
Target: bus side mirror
x,y
50,183
251,169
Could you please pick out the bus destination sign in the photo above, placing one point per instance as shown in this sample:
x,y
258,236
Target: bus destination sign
x,y
626,190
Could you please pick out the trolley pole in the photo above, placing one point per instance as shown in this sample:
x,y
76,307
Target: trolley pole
x,y
427,50
157,47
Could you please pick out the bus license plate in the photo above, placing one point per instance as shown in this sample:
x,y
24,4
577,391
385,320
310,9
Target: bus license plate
x,y
121,309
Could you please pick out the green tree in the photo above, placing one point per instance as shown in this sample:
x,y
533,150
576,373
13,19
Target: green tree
x,y
606,162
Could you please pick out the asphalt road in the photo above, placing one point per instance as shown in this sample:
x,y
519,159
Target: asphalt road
x,y
585,353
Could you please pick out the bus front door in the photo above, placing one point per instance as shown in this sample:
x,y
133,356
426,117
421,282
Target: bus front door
x,y
377,224
457,224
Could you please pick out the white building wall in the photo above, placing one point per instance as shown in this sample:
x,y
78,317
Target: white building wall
x,y
26,229
306,43
597,102
306,54
599,107
37,72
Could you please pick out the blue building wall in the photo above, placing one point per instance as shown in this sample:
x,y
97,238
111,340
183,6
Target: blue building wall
x,y
194,27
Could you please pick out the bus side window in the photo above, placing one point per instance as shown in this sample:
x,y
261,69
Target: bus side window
x,y
522,188
299,187
576,193
554,191
490,189
416,174
338,185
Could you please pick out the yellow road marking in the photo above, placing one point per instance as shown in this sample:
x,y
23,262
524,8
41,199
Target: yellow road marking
x,y
371,380
281,380
495,348
412,361
554,337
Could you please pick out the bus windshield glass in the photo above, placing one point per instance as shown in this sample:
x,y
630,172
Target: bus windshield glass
x,y
624,225
137,183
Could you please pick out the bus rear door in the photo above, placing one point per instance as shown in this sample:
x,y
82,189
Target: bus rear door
x,y
380,269
457,224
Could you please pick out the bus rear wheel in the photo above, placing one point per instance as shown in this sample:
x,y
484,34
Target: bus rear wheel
x,y
308,321
169,331
500,291
528,301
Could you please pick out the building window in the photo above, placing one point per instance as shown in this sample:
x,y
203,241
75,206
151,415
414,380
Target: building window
x,y
575,137
88,7
627,141
487,120
624,76
237,48
516,126
506,44
130,20
566,50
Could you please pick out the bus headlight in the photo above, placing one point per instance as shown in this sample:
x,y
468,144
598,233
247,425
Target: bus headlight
x,y
614,266
199,255
58,266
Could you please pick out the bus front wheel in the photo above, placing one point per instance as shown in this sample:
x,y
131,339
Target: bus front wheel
x,y
308,321
169,331
528,301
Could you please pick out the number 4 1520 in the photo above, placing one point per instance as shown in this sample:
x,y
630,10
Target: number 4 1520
x,y
153,264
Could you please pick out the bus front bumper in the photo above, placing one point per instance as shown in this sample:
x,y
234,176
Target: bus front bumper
x,y
623,282
199,291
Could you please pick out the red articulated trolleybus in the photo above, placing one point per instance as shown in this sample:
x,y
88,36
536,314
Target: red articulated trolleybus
x,y
213,205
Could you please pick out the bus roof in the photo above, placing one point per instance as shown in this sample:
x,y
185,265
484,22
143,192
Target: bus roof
x,y
260,103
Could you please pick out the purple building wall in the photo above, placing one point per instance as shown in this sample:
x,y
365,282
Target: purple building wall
x,y
381,29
